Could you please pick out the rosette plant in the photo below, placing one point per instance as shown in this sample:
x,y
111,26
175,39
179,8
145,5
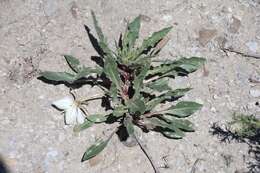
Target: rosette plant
x,y
135,85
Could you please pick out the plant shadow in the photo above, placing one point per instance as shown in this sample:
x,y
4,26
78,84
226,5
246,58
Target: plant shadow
x,y
226,135
3,167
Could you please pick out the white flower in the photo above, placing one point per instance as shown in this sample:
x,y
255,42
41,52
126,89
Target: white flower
x,y
73,114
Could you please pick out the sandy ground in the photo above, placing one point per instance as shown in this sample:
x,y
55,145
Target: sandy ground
x,y
35,34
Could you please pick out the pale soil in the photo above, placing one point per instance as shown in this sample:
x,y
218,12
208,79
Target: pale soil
x,y
35,34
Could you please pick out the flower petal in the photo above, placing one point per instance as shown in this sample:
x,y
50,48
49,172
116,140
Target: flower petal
x,y
71,115
64,103
80,116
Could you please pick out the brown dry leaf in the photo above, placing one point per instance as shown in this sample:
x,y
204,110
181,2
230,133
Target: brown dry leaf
x,y
205,35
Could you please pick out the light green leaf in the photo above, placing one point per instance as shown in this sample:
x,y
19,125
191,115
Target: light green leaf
x,y
181,66
183,109
132,33
138,81
172,134
189,64
111,70
95,149
97,27
85,71
166,126
119,111
73,63
102,40
185,125
97,118
166,96
151,41
83,126
159,85
136,106
58,76
129,125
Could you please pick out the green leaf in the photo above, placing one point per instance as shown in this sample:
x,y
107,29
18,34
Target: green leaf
x,y
136,106
119,111
166,126
132,33
102,40
159,85
189,64
95,149
85,71
111,70
160,70
185,125
181,66
166,96
129,125
172,134
138,81
151,41
183,109
58,76
73,63
97,27
83,126
97,118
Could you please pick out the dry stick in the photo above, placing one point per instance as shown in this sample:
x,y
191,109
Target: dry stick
x,y
149,157
241,53
193,169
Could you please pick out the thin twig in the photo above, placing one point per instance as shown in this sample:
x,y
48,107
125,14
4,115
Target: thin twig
x,y
194,167
241,53
143,148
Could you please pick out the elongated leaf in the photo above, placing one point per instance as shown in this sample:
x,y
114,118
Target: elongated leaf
x,y
185,125
132,33
111,71
166,96
138,81
85,71
73,63
97,118
151,41
181,66
113,92
119,111
97,27
129,125
95,149
136,106
58,76
159,85
102,40
166,126
172,134
183,109
160,70
189,64
83,126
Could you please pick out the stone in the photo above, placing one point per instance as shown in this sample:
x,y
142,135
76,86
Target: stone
x,y
254,92
205,35
235,25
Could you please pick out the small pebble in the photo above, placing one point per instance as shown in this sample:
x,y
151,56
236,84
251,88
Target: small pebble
x,y
254,92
